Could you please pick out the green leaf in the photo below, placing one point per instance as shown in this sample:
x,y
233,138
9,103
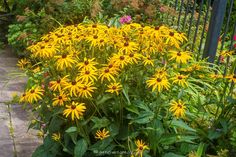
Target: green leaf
x,y
103,99
80,148
101,145
100,122
71,129
172,155
181,124
132,108
125,92
200,149
144,117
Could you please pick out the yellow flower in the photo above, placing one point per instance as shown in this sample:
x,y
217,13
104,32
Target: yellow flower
x,y
34,94
231,77
40,134
86,90
133,58
73,87
87,64
128,47
178,108
180,57
56,136
227,53
141,147
148,61
180,80
64,61
60,99
120,59
43,50
215,76
88,75
158,82
114,88
58,84
22,63
161,72
102,134
76,110
107,74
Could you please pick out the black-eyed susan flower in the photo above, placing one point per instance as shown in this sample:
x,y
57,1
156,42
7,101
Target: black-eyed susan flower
x,y
178,108
107,74
161,72
128,47
56,137
22,63
226,53
64,61
102,134
147,60
180,56
75,110
180,80
34,94
87,75
23,98
133,58
58,84
86,89
60,99
159,83
114,87
120,59
73,87
141,147
87,64
231,78
43,50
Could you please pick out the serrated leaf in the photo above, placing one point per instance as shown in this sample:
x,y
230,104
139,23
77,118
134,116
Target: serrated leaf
x,y
181,124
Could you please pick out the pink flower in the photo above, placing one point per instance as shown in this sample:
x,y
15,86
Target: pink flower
x,y
125,19
234,37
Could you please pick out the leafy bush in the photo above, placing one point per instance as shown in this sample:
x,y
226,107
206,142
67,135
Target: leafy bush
x,y
99,90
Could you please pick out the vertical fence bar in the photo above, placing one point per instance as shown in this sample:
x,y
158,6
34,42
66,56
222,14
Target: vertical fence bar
x,y
186,13
217,18
204,26
175,6
191,20
226,28
230,48
197,25
180,12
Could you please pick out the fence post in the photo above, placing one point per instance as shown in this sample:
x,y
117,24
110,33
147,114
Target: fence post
x,y
217,18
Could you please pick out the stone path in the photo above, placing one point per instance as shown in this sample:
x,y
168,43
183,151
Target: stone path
x,y
15,141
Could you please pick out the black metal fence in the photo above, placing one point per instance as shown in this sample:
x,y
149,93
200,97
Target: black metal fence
x,y
205,22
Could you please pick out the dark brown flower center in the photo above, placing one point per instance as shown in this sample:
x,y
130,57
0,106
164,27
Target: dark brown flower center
x,y
69,33
171,34
95,37
178,54
32,91
60,97
114,87
122,57
131,55
101,40
59,81
180,77
157,28
73,83
159,79
110,66
126,44
106,71
73,107
85,88
180,106
140,148
87,72
42,47
86,62
94,26
234,76
24,95
64,56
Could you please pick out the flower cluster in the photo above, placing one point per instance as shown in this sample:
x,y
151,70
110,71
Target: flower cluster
x,y
90,70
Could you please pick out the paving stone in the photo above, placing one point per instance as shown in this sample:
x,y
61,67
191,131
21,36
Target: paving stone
x,y
6,142
26,142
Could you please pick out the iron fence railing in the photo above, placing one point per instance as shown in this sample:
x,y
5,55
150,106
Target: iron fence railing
x,y
203,21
